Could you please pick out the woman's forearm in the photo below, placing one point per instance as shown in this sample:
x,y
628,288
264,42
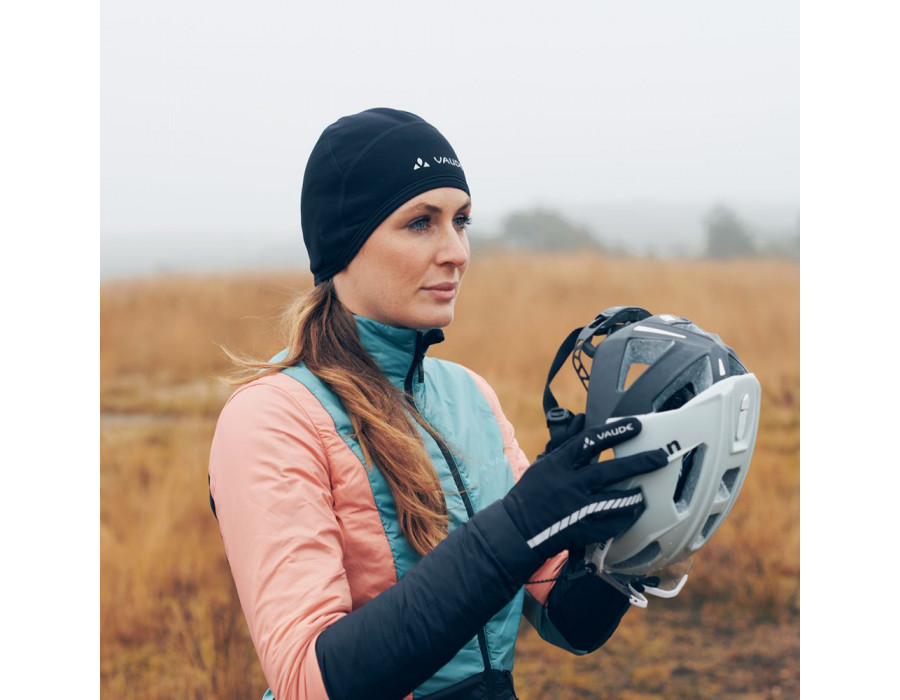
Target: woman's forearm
x,y
400,638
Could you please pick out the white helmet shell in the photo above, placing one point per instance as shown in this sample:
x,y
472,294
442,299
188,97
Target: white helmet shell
x,y
710,441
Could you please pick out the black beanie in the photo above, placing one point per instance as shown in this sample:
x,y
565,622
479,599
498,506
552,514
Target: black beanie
x,y
362,168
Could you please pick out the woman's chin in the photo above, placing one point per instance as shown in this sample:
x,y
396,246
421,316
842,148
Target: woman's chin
x,y
435,317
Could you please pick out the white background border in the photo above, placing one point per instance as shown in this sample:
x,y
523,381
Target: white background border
x,y
49,175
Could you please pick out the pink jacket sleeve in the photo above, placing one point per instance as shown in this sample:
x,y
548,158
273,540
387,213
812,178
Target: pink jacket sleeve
x,y
270,482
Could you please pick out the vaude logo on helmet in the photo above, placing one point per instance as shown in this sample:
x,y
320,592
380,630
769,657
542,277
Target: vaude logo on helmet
x,y
421,164
626,428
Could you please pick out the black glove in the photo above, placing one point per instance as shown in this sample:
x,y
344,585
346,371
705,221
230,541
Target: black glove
x,y
562,501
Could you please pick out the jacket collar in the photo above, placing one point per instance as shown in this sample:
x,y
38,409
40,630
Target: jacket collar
x,y
397,351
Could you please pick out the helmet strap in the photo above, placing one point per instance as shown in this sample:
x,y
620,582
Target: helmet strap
x,y
561,422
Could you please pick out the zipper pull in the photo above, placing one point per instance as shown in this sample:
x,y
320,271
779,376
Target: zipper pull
x,y
423,342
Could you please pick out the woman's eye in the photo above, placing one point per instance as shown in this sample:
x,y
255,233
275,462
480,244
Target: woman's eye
x,y
420,224
463,221
423,224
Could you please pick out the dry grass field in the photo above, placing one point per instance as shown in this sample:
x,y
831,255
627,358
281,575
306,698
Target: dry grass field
x,y
171,625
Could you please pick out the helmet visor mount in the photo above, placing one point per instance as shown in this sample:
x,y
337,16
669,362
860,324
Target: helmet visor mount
x,y
667,582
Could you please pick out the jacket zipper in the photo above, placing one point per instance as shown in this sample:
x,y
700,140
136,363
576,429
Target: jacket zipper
x,y
418,356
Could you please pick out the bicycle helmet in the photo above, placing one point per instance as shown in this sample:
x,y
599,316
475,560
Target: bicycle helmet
x,y
696,400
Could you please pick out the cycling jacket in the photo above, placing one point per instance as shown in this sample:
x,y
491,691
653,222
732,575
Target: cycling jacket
x,y
312,535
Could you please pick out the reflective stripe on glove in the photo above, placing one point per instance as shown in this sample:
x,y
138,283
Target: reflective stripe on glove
x,y
563,501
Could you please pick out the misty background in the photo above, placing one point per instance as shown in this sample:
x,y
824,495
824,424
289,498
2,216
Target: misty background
x,y
650,127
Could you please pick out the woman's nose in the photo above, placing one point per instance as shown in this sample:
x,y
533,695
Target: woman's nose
x,y
453,247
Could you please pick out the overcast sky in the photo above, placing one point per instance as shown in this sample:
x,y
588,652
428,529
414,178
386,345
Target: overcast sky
x,y
210,109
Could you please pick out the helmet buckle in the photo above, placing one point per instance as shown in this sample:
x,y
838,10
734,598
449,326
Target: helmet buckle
x,y
562,424
559,415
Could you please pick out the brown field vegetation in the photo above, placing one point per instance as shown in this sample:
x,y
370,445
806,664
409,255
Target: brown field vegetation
x,y
171,625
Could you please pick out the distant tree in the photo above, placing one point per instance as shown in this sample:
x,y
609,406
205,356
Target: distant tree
x,y
795,241
614,249
794,249
544,229
727,235
785,246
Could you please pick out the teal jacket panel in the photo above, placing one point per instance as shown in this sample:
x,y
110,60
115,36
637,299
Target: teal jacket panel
x,y
473,470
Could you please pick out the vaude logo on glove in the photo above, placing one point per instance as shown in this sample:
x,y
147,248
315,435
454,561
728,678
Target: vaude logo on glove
x,y
606,434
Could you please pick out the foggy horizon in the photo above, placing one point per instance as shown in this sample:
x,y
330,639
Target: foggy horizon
x,y
595,110
639,226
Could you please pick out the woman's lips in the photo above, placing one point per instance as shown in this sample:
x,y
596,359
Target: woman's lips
x,y
445,291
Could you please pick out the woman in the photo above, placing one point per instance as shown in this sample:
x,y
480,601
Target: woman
x,y
378,515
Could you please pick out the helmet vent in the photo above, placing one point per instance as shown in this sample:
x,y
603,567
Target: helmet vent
x,y
709,525
642,558
694,380
640,353
728,480
735,367
635,370
691,464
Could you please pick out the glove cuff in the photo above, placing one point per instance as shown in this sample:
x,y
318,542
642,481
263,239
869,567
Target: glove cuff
x,y
514,557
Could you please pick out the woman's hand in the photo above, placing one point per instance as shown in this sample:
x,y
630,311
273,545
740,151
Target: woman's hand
x,y
563,500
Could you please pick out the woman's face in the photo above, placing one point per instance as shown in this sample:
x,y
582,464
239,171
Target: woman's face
x,y
408,272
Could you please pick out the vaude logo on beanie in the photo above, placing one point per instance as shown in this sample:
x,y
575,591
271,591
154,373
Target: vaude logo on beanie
x,y
444,160
440,160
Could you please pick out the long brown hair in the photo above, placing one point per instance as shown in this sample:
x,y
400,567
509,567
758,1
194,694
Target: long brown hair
x,y
321,333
